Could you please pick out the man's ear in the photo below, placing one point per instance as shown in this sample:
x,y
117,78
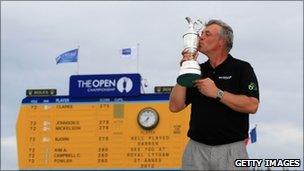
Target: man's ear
x,y
222,42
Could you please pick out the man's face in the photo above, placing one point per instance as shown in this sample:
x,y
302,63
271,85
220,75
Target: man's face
x,y
210,40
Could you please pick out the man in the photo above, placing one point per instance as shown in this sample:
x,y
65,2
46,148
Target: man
x,y
221,102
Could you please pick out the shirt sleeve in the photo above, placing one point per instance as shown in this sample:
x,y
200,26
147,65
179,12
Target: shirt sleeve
x,y
249,82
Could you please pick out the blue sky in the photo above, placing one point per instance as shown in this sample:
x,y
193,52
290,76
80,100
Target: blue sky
x,y
269,35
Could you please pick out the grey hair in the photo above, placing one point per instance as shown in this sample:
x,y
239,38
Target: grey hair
x,y
226,32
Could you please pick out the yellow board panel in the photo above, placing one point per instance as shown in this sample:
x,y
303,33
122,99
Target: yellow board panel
x,y
99,136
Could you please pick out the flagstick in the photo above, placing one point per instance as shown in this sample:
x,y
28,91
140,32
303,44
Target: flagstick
x,y
77,67
137,61
78,61
137,56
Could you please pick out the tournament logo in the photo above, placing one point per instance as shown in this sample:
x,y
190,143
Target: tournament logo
x,y
124,85
107,85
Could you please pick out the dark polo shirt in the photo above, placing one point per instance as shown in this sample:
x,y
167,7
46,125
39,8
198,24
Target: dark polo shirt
x,y
212,122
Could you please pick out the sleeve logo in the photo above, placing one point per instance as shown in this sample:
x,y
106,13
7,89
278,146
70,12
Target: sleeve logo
x,y
252,86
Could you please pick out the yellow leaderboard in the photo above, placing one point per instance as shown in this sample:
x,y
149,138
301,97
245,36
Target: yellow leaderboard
x,y
96,135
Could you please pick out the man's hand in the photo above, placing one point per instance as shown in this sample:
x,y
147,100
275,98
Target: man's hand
x,y
207,87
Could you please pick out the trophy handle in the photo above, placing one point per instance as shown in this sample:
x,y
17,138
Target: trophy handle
x,y
198,23
189,20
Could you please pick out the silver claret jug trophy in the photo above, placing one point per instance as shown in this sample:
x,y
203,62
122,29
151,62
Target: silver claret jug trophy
x,y
190,69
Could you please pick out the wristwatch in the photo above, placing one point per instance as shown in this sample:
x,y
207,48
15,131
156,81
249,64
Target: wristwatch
x,y
219,94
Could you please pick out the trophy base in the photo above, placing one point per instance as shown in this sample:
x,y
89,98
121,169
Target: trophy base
x,y
189,71
186,80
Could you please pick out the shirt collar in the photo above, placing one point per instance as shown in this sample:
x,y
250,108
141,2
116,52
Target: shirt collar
x,y
225,62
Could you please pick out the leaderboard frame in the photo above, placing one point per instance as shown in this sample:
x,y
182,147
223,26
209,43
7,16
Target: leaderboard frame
x,y
63,132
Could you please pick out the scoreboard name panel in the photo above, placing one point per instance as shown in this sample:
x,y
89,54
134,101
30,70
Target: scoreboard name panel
x,y
66,133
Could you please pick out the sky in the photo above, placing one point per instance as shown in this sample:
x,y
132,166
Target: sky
x,y
268,35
